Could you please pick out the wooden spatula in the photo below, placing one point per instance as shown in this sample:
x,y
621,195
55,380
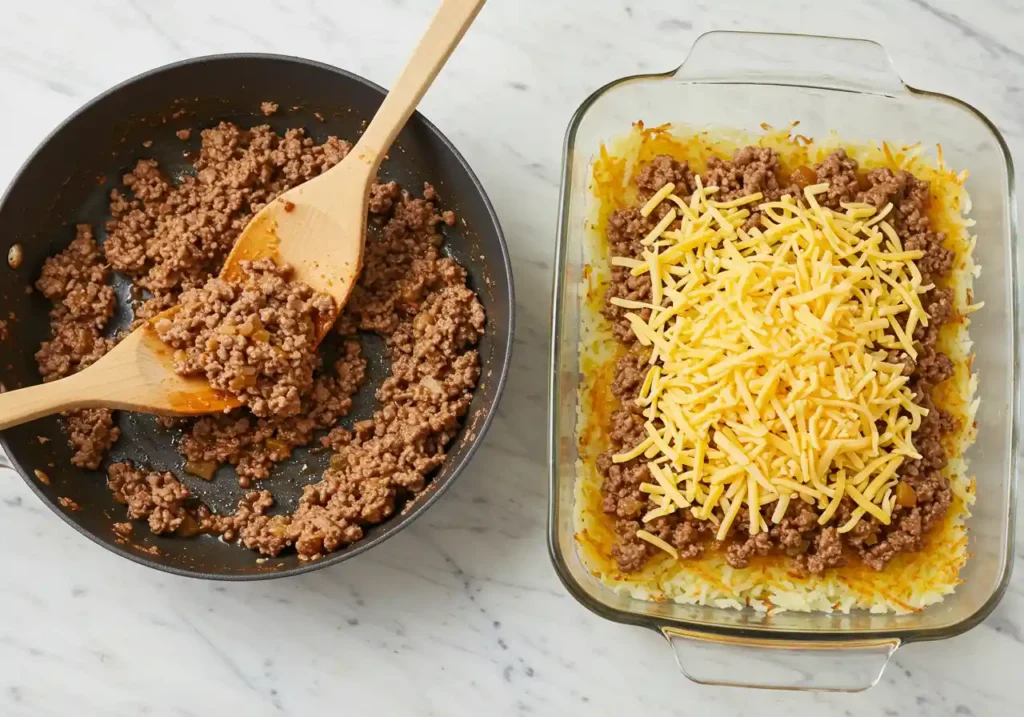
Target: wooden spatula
x,y
316,228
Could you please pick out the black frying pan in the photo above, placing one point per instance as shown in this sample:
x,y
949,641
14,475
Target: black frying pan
x,y
68,180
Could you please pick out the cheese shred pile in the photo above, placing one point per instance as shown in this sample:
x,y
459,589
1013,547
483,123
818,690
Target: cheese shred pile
x,y
769,376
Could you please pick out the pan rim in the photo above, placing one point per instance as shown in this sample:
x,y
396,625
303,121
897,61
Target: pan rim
x,y
434,491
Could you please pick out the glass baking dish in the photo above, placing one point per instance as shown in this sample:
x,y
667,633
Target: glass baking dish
x,y
740,80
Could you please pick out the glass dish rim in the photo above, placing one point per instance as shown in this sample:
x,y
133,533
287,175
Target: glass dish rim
x,y
660,624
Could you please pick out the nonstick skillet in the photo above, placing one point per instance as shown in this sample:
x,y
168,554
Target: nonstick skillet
x,y
68,180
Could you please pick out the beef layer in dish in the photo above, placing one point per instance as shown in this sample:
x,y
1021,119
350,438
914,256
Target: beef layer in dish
x,y
923,490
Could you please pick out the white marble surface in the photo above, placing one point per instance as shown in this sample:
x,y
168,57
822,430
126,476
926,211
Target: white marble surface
x,y
462,613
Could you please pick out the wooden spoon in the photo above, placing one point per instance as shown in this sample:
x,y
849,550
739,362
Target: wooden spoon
x,y
316,228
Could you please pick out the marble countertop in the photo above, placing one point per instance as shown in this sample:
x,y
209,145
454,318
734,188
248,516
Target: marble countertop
x,y
461,613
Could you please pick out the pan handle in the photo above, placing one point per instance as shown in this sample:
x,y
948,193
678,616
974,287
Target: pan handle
x,y
831,666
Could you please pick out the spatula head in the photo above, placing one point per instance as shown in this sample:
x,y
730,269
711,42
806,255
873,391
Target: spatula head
x,y
316,228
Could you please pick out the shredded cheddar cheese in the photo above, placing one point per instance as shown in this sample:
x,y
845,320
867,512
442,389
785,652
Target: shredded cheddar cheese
x,y
769,377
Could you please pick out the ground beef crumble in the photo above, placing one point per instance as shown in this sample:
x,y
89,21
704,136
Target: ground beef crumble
x,y
811,548
75,281
253,445
171,240
150,495
255,336
173,237
68,504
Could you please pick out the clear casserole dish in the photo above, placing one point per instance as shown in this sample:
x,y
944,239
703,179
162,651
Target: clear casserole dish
x,y
741,80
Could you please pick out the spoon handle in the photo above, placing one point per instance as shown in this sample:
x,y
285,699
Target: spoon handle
x,y
450,23
28,404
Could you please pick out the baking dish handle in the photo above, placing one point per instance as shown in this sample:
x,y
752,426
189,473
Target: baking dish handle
x,y
780,664
726,56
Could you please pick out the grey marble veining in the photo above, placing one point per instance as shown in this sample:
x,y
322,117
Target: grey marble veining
x,y
462,613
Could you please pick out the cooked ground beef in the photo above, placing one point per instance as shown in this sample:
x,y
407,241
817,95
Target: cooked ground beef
x,y
171,240
91,433
254,336
75,281
68,504
751,170
843,178
812,548
418,301
172,237
253,445
664,169
430,322
151,495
